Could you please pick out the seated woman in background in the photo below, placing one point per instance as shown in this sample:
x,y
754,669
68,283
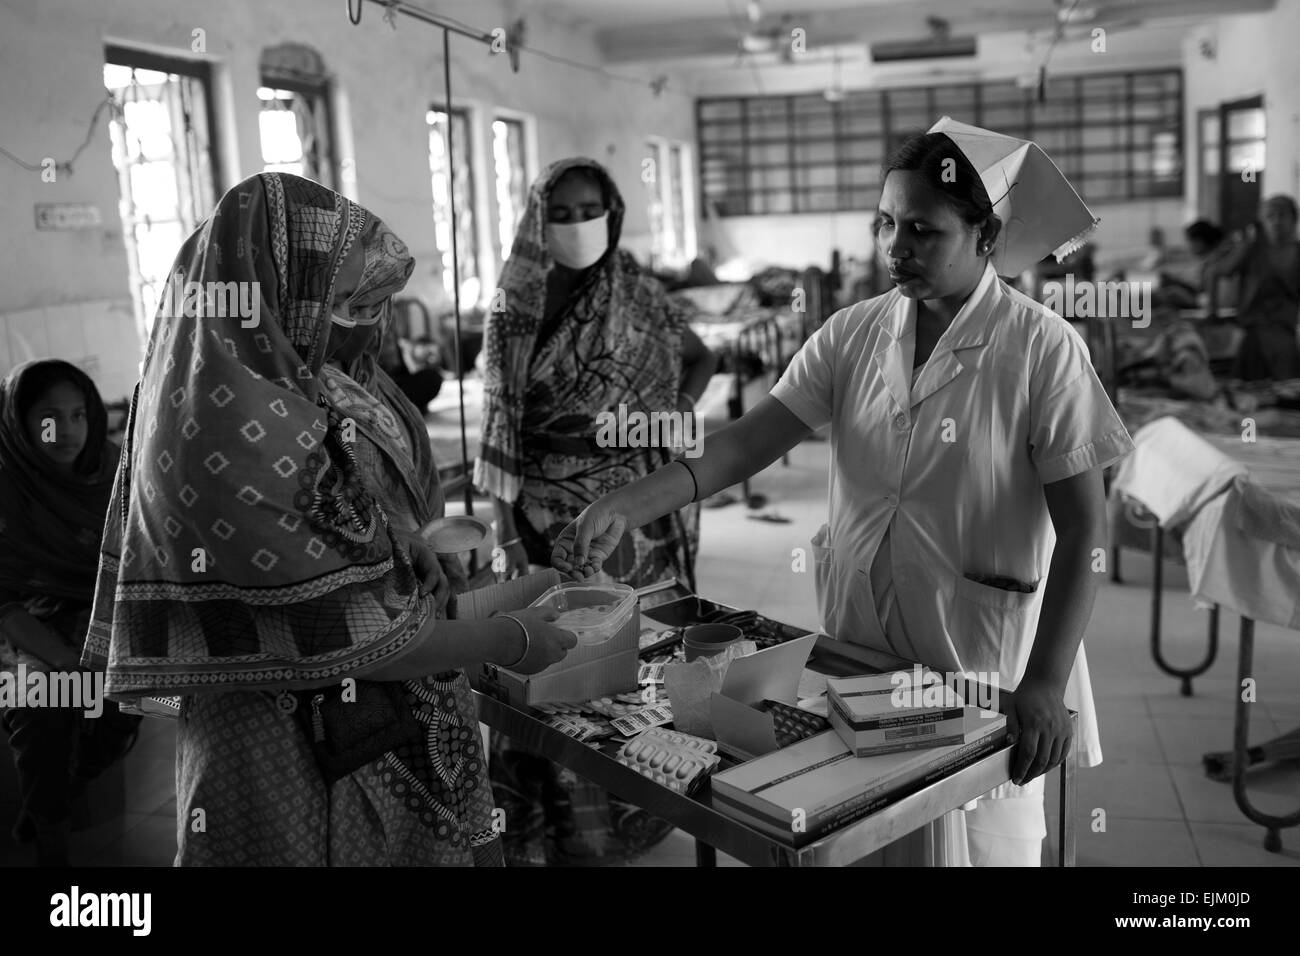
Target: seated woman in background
x,y
864,277
1203,238
1267,262
1182,283
407,363
56,472
583,330
263,548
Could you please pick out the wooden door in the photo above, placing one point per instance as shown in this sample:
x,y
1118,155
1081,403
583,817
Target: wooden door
x,y
1241,153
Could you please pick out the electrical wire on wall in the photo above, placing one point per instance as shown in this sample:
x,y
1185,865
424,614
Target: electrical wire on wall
x,y
64,166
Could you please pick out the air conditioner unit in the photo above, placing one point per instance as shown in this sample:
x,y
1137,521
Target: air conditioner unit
x,y
931,48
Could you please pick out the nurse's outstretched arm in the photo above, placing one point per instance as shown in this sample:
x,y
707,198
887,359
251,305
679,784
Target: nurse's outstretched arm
x,y
1078,509
743,448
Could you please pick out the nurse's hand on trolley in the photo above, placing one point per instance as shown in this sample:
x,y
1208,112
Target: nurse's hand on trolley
x,y
1039,724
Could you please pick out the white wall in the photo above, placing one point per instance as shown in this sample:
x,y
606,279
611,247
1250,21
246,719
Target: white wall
x,y
67,293
1254,54
794,241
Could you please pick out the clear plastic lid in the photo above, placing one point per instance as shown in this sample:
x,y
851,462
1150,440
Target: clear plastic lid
x,y
593,612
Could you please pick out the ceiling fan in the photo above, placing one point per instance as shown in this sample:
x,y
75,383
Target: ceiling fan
x,y
1078,20
1075,19
762,34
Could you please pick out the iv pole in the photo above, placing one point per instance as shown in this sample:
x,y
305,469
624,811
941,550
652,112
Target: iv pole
x,y
390,7
468,490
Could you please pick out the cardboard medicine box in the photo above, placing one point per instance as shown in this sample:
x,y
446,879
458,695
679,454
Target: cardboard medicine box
x,y
587,672
872,717
802,792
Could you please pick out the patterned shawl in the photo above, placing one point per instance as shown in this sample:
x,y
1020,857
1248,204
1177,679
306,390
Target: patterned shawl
x,y
620,328
243,549
51,521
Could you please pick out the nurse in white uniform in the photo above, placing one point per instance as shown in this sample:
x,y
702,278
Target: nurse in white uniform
x,y
968,436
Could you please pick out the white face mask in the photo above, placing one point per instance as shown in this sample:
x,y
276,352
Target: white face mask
x,y
350,320
578,244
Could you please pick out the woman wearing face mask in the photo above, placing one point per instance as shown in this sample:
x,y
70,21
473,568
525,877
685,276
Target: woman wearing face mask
x,y
581,330
968,435
262,561
56,471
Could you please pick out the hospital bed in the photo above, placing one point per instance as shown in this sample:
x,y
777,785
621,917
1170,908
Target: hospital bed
x,y
1230,507
754,343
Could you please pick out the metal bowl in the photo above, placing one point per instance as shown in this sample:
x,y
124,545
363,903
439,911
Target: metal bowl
x,y
455,534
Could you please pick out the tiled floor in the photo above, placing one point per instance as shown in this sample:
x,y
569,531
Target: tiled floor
x,y
143,836
1149,803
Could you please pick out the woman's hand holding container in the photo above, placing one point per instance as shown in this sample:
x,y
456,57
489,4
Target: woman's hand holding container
x,y
536,643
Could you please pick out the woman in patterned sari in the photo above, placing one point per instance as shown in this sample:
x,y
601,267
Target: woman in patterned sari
x,y
261,559
578,329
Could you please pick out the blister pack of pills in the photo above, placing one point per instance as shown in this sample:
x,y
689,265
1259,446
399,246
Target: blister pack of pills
x,y
670,759
643,720
793,724
578,727
678,739
609,707
614,707
650,674
560,707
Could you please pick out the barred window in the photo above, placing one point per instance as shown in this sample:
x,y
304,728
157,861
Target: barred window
x,y
165,154
1115,135
295,122
462,192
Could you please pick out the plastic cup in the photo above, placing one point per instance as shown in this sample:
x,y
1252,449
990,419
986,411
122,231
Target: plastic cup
x,y
706,640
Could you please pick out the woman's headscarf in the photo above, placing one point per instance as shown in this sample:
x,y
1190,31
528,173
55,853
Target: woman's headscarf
x,y
244,548
616,287
51,520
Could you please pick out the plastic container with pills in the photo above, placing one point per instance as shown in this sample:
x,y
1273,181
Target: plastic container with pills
x,y
594,613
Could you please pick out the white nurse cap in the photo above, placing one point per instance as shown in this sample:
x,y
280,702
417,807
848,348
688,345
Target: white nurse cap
x,y
1039,209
